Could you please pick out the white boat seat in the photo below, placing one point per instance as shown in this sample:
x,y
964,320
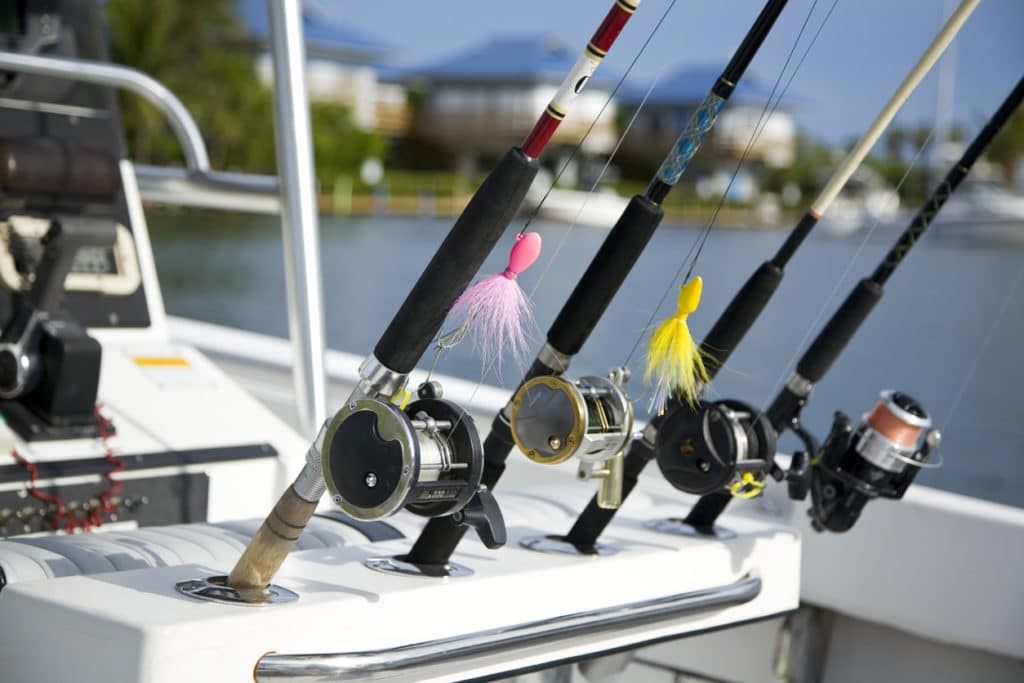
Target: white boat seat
x,y
214,545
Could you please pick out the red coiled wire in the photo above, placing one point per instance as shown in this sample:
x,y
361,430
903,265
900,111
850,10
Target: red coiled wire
x,y
61,518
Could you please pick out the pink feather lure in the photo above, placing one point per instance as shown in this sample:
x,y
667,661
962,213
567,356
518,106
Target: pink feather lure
x,y
496,309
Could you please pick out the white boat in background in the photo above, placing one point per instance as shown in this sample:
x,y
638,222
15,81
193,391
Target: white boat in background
x,y
865,201
598,209
982,210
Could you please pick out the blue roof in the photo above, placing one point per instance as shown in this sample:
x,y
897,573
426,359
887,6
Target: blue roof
x,y
690,84
534,59
323,29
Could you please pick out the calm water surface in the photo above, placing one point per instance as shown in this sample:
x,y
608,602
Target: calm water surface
x,y
949,330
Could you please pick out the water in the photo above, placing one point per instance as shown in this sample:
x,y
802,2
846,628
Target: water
x,y
927,337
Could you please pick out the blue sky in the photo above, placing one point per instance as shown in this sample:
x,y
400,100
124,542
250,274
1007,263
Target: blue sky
x,y
863,53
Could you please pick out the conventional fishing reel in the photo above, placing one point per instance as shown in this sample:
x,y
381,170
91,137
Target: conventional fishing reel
x,y
555,418
715,446
878,459
426,457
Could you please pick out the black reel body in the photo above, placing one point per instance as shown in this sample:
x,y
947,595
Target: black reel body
x,y
427,458
710,447
878,459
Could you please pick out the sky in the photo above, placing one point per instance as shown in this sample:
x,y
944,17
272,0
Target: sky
x,y
863,53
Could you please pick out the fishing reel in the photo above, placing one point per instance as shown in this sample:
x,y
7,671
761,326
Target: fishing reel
x,y
554,418
426,457
714,446
878,459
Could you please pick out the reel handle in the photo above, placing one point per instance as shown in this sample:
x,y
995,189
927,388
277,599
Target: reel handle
x,y
483,515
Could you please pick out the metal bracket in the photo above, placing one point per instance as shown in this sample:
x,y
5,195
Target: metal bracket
x,y
557,545
399,565
678,527
216,589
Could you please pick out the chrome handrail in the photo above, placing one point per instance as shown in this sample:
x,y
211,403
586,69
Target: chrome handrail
x,y
387,663
154,180
293,136
104,73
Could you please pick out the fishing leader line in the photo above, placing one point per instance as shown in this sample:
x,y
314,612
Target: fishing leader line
x,y
788,367
762,123
586,134
451,339
767,111
597,181
1011,293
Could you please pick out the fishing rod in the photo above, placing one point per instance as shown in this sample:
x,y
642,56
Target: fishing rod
x,y
574,405
381,453
880,458
740,315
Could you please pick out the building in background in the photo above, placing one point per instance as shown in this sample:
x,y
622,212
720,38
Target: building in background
x,y
478,103
669,106
342,65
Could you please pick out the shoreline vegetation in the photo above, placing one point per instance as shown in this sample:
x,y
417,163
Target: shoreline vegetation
x,y
450,205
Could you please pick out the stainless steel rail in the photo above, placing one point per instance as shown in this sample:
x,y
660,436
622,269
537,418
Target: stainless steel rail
x,y
382,664
246,192
103,73
197,184
299,220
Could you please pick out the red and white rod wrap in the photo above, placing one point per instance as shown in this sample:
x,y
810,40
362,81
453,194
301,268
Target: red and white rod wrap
x,y
574,83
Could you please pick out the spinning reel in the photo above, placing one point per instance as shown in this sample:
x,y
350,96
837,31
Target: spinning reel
x,y
729,446
379,458
878,459
554,418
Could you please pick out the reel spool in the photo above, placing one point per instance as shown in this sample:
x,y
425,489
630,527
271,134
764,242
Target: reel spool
x,y
719,445
427,458
878,459
554,418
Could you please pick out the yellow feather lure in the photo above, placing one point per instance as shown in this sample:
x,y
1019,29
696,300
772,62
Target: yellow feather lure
x,y
674,361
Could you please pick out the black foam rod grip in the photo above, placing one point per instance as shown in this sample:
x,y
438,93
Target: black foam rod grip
x,y
594,519
456,261
839,330
739,316
604,275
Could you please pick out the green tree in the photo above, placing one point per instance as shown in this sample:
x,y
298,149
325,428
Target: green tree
x,y
201,52
194,48
1007,149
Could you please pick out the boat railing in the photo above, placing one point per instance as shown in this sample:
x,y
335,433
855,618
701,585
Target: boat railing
x,y
195,185
410,659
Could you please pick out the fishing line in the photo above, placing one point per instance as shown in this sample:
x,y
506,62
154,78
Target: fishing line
x,y
787,368
1011,293
593,187
766,113
762,123
600,113
448,340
